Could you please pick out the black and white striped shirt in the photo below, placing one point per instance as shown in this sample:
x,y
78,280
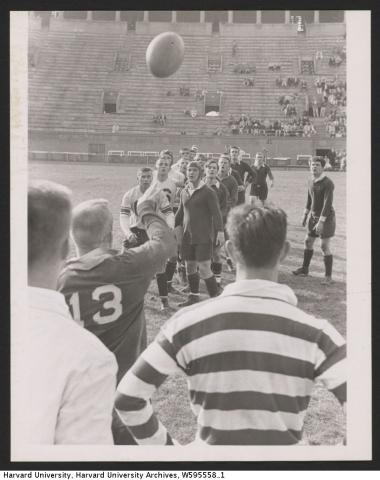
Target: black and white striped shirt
x,y
251,358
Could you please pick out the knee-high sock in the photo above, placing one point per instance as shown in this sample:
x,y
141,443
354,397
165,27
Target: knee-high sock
x,y
307,255
328,260
216,269
170,269
193,283
162,284
212,286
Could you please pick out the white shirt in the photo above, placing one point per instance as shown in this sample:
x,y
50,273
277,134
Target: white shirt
x,y
72,376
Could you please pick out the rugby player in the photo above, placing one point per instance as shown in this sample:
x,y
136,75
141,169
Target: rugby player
x,y
184,158
168,180
243,169
259,186
201,159
319,216
105,289
229,181
198,221
211,180
130,223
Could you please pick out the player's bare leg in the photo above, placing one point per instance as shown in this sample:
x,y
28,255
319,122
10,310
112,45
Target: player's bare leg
x,y
253,200
307,256
328,260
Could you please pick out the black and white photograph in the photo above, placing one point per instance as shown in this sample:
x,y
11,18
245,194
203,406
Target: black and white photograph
x,y
191,217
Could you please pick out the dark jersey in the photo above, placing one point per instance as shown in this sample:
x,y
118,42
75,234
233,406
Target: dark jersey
x,y
232,186
199,214
222,194
105,292
320,197
237,177
261,175
244,170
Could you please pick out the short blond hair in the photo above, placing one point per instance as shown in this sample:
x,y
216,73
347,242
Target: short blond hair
x,y
49,215
92,222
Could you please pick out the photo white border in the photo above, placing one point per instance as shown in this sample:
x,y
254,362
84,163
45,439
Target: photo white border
x,y
359,408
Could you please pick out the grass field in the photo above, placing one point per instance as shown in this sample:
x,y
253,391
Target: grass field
x,y
325,424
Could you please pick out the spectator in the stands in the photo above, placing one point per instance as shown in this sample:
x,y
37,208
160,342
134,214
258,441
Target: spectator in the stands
x,y
193,113
184,91
198,94
249,82
234,48
315,108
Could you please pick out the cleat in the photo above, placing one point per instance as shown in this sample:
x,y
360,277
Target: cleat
x,y
327,281
174,290
190,301
301,272
164,304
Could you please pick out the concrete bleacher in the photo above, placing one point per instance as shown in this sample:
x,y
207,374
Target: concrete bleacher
x,y
74,68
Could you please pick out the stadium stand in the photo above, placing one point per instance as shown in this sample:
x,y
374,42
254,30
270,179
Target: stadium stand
x,y
76,71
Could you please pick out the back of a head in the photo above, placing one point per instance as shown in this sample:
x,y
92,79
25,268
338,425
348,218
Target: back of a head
x,y
92,223
257,234
49,216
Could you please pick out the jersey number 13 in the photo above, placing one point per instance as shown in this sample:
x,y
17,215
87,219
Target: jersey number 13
x,y
113,304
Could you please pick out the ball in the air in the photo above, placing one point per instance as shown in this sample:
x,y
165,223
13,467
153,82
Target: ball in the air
x,y
165,54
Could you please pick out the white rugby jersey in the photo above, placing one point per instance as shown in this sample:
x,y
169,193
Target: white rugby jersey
x,y
169,186
129,205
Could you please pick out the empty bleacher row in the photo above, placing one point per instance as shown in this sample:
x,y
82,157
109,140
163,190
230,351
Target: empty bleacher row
x,y
74,69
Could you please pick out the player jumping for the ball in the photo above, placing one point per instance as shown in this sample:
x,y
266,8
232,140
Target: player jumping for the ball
x,y
320,218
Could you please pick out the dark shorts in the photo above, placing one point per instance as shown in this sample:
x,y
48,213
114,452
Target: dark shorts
x,y
328,227
196,252
260,191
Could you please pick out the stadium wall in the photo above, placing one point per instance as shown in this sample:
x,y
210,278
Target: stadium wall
x,y
276,146
192,28
279,30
